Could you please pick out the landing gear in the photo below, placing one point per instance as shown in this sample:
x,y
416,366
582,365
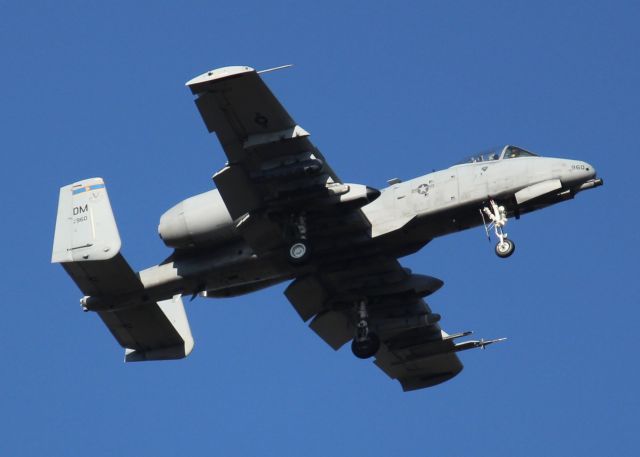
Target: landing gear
x,y
365,343
505,248
298,251
498,217
366,348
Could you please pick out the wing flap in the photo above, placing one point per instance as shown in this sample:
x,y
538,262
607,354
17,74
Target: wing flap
x,y
238,194
333,327
307,295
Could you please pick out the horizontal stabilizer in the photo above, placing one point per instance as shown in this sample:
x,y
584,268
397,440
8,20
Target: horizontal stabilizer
x,y
104,277
87,244
151,331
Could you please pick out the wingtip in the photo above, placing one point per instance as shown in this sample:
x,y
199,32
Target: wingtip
x,y
218,74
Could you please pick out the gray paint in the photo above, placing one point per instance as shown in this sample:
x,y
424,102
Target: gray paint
x,y
277,186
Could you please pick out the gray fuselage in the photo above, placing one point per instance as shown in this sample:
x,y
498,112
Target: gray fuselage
x,y
405,217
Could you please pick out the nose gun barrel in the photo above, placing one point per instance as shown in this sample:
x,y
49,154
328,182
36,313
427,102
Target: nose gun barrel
x,y
592,183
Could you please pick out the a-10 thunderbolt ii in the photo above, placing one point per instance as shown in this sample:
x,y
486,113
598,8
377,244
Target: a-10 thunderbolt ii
x,y
278,213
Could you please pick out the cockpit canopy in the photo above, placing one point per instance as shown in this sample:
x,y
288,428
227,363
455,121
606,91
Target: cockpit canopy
x,y
505,152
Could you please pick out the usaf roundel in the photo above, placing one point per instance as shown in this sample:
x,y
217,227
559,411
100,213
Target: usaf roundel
x,y
423,189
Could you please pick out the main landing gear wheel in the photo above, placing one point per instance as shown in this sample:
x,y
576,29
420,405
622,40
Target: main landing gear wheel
x,y
365,343
505,248
298,251
366,348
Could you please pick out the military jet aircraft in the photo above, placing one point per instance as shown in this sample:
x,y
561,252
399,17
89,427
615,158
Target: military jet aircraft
x,y
280,213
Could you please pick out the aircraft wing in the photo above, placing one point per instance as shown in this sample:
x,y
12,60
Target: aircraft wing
x,y
414,349
273,169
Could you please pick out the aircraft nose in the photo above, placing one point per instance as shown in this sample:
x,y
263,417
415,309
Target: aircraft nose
x,y
586,177
582,171
589,170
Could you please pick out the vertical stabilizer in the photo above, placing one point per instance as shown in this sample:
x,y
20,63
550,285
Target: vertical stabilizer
x,y
87,243
85,227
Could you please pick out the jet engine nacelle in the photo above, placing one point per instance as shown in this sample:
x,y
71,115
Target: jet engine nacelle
x,y
199,220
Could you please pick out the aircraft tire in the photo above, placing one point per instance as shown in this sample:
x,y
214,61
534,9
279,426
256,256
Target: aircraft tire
x,y
298,252
504,250
366,348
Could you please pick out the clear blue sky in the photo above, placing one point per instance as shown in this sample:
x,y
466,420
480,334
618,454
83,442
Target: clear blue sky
x,y
387,89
